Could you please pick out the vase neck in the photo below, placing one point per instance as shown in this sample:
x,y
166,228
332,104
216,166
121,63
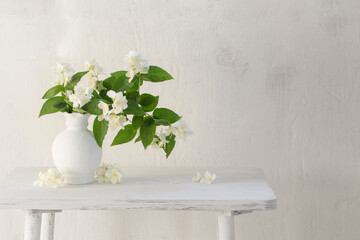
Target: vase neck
x,y
76,121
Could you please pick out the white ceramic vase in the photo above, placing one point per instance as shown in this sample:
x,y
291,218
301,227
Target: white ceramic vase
x,y
75,152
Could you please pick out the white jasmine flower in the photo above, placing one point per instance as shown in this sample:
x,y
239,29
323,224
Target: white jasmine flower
x,y
136,63
163,140
65,71
172,130
82,95
105,108
60,67
159,141
51,178
82,89
40,181
130,74
182,130
68,93
208,178
111,94
79,100
113,175
75,100
115,121
119,101
119,105
107,173
92,82
155,143
67,77
197,178
100,173
94,67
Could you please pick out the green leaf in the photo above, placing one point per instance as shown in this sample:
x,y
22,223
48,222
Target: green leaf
x,y
147,131
53,105
92,107
170,145
134,96
161,122
156,74
53,91
79,110
100,86
138,139
75,79
121,82
167,114
96,95
105,97
100,129
137,121
133,108
124,135
61,106
118,74
121,85
148,102
135,85
108,82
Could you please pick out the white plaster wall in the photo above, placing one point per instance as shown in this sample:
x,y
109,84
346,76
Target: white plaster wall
x,y
267,83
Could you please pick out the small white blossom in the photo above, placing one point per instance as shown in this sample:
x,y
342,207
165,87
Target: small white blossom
x,y
113,175
119,101
94,72
163,140
107,173
82,89
94,67
68,93
64,71
159,141
75,100
179,129
208,177
82,95
92,82
51,178
171,130
100,173
79,100
183,131
115,121
197,178
130,74
105,108
155,143
136,64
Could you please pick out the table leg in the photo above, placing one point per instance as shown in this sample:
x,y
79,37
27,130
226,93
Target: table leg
x,y
226,229
47,226
32,225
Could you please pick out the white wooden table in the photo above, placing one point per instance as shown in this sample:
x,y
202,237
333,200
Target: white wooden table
x,y
235,191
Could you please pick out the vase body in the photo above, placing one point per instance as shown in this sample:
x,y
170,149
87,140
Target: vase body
x,y
75,152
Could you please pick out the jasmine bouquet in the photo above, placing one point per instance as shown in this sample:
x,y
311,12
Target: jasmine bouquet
x,y
117,102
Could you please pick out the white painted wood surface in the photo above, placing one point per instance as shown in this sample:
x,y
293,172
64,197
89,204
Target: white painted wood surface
x,y
144,189
226,228
32,225
235,191
47,226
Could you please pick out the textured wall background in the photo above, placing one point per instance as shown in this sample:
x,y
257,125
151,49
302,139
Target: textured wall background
x,y
273,84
